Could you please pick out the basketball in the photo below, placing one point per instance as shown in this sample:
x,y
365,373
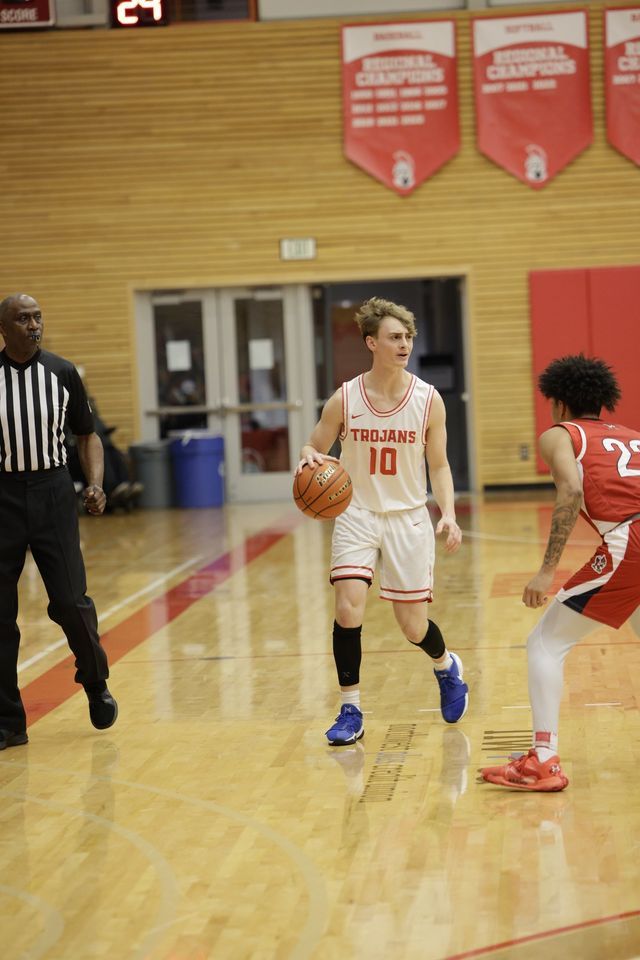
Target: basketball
x,y
322,491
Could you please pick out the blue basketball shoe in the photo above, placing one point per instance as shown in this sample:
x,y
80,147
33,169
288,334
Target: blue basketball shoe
x,y
454,694
348,726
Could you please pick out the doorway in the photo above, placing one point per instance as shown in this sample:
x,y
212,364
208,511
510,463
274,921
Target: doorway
x,y
438,354
256,365
228,362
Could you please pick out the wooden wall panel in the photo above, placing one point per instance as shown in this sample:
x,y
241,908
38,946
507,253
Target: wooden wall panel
x,y
179,158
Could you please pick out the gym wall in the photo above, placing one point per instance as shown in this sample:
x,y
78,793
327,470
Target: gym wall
x,y
178,157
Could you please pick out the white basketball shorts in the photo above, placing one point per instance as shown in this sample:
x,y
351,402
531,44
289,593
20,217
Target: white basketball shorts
x,y
404,542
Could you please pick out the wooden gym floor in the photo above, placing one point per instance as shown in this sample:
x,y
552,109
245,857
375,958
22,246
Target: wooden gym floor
x,y
213,822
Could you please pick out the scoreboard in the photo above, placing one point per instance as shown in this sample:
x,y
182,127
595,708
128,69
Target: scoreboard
x,y
139,13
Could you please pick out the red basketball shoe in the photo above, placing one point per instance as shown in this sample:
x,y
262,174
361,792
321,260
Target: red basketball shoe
x,y
528,773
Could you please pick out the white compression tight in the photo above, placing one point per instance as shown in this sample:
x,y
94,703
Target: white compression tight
x,y
559,629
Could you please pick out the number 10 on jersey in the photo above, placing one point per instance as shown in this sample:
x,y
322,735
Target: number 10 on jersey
x,y
383,461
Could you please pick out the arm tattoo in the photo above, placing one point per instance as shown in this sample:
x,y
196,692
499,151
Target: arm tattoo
x,y
562,523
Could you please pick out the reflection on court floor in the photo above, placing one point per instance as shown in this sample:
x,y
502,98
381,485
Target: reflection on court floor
x,y
213,822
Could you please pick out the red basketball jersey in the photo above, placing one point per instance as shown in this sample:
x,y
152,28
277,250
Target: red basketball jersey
x,y
608,457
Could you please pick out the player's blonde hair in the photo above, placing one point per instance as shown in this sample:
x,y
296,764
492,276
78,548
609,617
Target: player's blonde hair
x,y
373,312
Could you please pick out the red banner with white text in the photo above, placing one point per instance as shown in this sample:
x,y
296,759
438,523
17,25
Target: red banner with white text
x,y
400,99
533,102
622,80
26,13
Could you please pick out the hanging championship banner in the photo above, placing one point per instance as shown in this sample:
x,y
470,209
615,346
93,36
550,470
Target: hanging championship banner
x,y
400,99
532,92
26,13
622,80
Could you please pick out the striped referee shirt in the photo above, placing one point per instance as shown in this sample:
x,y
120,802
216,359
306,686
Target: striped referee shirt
x,y
39,401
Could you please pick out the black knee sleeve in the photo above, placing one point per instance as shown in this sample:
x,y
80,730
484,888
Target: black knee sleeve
x,y
433,643
347,653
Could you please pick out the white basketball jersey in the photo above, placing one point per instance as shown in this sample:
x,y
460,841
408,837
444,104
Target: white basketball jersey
x,y
384,451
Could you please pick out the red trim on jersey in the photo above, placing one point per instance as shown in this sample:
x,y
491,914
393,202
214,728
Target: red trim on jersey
x,y
386,413
583,437
427,412
345,412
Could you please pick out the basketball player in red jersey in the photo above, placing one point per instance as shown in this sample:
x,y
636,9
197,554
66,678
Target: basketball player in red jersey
x,y
387,420
595,466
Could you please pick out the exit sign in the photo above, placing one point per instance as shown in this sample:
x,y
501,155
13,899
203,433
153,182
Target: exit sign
x,y
298,248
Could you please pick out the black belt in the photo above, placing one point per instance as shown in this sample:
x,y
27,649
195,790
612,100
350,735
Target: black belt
x,y
29,474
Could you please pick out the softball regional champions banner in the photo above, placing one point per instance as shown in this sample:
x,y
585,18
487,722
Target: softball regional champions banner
x,y
400,99
532,92
622,80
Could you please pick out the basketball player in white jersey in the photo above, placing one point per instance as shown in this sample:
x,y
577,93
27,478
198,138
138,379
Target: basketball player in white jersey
x,y
387,421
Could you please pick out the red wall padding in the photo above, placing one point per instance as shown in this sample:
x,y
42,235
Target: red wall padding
x,y
596,312
559,304
615,312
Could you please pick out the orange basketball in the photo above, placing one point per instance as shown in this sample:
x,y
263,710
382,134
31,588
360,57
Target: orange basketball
x,y
322,491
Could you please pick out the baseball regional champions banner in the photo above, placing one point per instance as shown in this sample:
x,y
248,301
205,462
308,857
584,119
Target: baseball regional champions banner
x,y
532,92
400,99
622,80
26,13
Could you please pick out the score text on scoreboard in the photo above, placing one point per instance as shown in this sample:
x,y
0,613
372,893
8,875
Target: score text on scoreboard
x,y
139,13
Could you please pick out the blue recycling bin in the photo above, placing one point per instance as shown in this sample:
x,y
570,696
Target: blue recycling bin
x,y
197,458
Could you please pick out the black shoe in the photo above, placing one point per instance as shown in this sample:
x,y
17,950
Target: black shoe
x,y
9,738
103,709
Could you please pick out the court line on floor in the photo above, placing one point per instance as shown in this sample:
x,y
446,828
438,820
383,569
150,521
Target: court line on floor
x,y
318,910
114,609
545,935
502,538
56,685
163,870
52,921
300,655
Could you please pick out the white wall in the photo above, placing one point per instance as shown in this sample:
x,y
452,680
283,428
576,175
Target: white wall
x,y
299,9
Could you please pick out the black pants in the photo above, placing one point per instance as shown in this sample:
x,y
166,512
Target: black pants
x,y
38,510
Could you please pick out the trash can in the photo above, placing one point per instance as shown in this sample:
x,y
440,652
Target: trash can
x,y
198,468
152,468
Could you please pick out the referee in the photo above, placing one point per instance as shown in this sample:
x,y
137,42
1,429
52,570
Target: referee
x,y
41,396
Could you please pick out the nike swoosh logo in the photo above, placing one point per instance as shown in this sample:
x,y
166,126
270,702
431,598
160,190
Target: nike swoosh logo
x,y
354,416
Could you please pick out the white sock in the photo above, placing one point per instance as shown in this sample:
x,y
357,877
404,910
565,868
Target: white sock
x,y
555,633
444,664
546,745
351,696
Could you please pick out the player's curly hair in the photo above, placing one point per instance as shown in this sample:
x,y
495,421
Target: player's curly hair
x,y
373,311
584,384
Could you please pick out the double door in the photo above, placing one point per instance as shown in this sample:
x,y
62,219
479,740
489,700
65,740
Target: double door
x,y
231,362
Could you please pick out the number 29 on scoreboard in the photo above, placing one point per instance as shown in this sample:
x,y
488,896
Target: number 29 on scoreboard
x,y
139,13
